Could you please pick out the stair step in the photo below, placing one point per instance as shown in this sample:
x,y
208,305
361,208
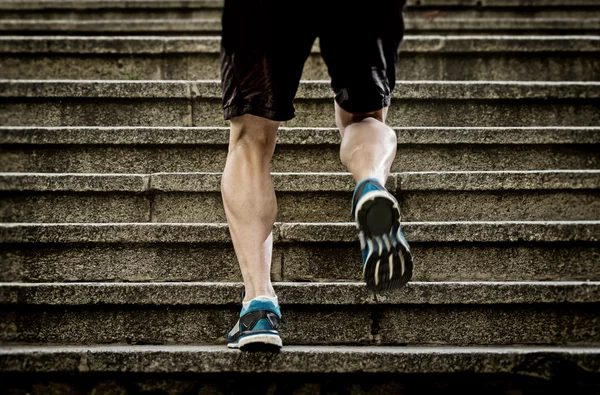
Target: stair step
x,y
443,251
207,9
198,103
184,149
296,359
329,313
302,197
566,58
299,294
545,26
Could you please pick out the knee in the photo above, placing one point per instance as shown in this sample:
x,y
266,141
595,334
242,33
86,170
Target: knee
x,y
249,132
345,119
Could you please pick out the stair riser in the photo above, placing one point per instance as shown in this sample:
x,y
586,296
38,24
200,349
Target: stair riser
x,y
457,66
300,206
291,158
519,26
328,261
451,325
317,112
438,13
137,14
295,383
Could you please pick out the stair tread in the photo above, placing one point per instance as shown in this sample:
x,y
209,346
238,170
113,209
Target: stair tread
x,y
307,359
336,293
312,89
196,135
342,232
211,44
304,182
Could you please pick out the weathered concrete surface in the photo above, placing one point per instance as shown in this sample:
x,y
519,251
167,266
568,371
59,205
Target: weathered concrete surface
x,y
212,135
166,45
147,158
455,325
442,262
315,313
177,103
300,294
317,252
556,324
177,325
181,149
325,261
502,25
438,232
51,182
302,197
74,207
568,58
299,383
500,205
345,359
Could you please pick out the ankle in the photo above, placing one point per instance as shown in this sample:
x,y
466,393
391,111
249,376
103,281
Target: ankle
x,y
250,294
264,298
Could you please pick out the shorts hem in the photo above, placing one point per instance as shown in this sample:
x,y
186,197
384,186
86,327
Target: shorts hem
x,y
363,108
263,112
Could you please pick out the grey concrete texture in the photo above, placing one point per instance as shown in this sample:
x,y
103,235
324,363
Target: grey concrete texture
x,y
219,136
295,359
205,9
193,294
306,325
168,45
438,232
183,149
499,206
345,232
175,325
287,383
432,262
495,3
96,112
307,90
419,66
302,197
74,207
158,262
418,25
177,103
462,325
325,261
216,4
112,4
569,58
147,158
74,182
305,182
502,26
208,207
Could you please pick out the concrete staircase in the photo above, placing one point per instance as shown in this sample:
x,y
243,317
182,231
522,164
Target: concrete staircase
x,y
117,273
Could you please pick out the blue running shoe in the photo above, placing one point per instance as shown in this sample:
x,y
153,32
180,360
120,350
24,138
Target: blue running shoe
x,y
257,327
387,260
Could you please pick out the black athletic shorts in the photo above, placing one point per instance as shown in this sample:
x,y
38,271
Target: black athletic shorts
x,y
266,42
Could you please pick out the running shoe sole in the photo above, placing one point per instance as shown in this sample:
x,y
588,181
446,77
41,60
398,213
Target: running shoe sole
x,y
389,264
258,342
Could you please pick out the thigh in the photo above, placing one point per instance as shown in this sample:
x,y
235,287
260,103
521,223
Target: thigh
x,y
262,55
361,53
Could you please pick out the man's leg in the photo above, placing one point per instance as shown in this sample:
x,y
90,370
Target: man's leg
x,y
249,200
368,149
368,145
251,208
